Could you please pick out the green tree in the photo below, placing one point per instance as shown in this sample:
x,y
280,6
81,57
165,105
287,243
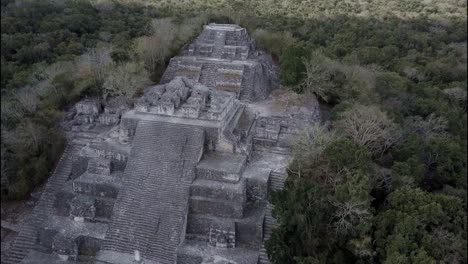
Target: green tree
x,y
418,226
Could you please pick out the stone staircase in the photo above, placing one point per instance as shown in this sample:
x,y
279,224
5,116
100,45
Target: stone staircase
x,y
81,138
269,224
150,211
277,180
208,74
26,239
247,84
276,183
268,145
219,42
228,131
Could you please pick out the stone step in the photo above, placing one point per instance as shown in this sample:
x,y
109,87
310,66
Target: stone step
x,y
150,210
276,181
216,207
192,251
246,87
269,145
223,167
233,123
263,256
26,238
97,185
269,223
219,190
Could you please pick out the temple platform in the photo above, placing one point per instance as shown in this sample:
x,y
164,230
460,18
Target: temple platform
x,y
195,252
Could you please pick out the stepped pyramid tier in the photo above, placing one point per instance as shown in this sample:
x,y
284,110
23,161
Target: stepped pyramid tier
x,y
225,57
181,174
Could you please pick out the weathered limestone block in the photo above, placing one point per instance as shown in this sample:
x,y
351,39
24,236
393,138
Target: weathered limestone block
x,y
62,205
191,111
199,226
228,146
90,186
62,202
85,119
116,105
109,153
45,237
183,258
88,107
222,238
88,246
125,135
127,127
100,166
109,119
219,190
257,189
250,233
142,107
216,207
165,108
104,207
65,247
209,174
79,166
82,207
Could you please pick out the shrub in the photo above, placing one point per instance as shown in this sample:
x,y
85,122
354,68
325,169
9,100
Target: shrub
x,y
292,65
125,80
368,126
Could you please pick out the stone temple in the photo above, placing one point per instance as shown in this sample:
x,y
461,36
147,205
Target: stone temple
x,y
181,176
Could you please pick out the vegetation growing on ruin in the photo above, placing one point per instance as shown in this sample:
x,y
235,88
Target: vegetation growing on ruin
x,y
383,181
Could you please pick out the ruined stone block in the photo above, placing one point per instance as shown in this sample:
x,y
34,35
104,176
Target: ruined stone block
x,y
250,233
222,238
65,247
257,189
216,207
88,246
79,166
82,207
209,174
45,237
88,107
85,119
109,119
96,187
100,166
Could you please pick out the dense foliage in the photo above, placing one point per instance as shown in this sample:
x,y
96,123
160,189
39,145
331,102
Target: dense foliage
x,y
383,181
390,185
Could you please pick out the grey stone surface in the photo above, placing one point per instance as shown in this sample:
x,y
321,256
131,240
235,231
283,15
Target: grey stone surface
x,y
83,207
88,107
200,252
37,257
